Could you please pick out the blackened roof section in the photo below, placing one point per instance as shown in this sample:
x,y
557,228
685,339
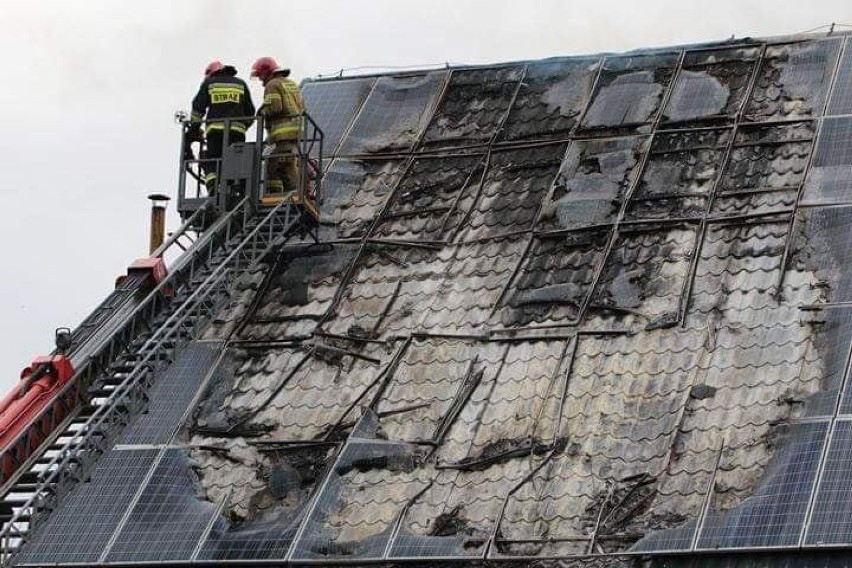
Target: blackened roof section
x,y
473,107
432,198
593,182
793,80
711,86
629,92
575,308
551,97
511,192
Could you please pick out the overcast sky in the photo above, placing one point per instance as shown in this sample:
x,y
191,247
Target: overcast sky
x,y
91,87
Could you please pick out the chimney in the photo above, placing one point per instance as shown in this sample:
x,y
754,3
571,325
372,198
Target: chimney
x,y
158,220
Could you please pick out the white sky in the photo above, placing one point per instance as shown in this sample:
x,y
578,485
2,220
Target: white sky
x,y
91,86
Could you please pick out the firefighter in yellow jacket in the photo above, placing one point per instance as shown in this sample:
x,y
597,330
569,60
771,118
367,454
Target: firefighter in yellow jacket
x,y
283,114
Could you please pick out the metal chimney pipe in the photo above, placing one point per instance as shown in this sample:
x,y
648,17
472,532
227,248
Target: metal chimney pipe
x,y
158,220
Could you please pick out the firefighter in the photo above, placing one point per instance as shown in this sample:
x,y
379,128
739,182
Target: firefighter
x,y
222,95
282,111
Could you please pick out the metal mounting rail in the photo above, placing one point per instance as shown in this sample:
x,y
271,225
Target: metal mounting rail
x,y
203,297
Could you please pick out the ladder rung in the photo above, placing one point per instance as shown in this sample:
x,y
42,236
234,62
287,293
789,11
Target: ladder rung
x,y
20,519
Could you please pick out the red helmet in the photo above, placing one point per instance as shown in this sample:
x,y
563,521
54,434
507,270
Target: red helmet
x,y
263,68
212,67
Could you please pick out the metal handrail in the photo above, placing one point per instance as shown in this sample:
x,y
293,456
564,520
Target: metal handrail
x,y
184,228
183,268
309,145
49,481
128,287
106,351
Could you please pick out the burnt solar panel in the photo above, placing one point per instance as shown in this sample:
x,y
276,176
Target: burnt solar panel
x,y
579,307
333,104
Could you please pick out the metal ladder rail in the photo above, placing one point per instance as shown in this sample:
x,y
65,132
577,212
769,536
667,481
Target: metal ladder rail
x,y
72,462
169,338
76,406
100,386
108,342
77,411
128,288
188,324
75,398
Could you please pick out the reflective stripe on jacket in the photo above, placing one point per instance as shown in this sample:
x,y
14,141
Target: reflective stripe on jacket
x,y
222,95
282,108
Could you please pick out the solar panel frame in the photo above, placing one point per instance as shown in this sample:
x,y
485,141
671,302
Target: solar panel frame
x,y
841,98
334,105
168,520
172,394
829,180
831,522
774,515
394,115
80,529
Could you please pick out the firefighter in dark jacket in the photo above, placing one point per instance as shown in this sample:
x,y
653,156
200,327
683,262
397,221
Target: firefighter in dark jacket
x,y
283,113
222,95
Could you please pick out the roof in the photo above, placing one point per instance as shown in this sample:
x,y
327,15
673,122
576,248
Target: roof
x,y
592,306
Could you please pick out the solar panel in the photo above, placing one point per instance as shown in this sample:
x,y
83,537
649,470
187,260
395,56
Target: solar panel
x,y
263,538
83,524
550,100
831,342
291,477
831,522
171,395
168,520
711,84
793,80
680,538
773,515
830,177
679,176
591,184
474,105
394,114
333,104
822,250
355,191
841,98
644,273
331,529
629,91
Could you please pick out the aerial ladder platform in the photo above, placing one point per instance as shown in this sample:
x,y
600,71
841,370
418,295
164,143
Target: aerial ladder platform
x,y
71,405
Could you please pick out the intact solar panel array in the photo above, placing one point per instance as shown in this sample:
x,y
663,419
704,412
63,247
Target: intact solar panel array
x,y
167,521
80,530
172,395
732,164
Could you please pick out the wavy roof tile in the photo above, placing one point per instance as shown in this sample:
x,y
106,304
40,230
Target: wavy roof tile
x,y
582,308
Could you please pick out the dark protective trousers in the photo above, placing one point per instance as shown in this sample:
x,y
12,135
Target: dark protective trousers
x,y
212,155
282,169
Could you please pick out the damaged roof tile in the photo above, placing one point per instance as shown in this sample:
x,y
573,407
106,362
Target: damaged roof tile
x,y
571,308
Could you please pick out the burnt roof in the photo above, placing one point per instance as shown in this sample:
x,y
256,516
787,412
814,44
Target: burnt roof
x,y
580,308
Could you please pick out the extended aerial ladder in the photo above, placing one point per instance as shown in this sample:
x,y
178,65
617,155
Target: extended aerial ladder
x,y
71,405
